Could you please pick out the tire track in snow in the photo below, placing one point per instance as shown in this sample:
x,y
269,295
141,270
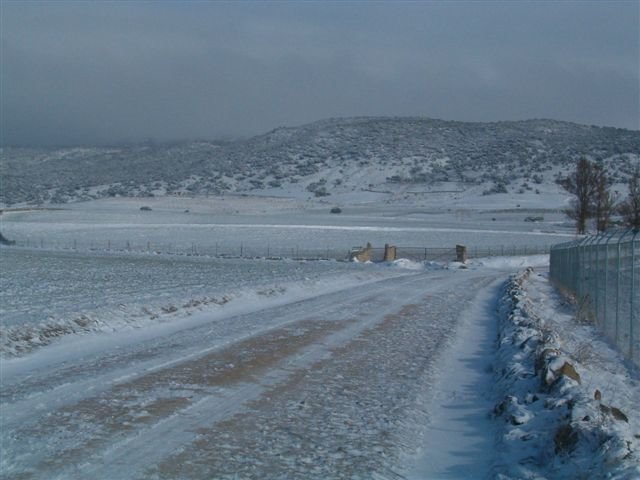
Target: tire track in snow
x,y
42,389
94,423
67,435
344,416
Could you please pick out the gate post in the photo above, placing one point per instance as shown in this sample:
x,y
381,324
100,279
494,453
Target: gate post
x,y
461,254
389,253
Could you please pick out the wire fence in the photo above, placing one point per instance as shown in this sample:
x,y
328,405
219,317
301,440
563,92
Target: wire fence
x,y
240,250
416,254
425,254
244,250
603,273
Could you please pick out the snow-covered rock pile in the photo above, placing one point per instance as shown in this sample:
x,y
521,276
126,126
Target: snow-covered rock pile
x,y
563,413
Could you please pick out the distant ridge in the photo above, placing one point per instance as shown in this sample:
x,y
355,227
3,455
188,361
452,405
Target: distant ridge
x,y
322,158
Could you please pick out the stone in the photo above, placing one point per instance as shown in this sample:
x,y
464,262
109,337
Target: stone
x,y
616,413
569,370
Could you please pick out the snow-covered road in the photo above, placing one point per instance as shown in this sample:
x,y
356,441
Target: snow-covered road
x,y
332,386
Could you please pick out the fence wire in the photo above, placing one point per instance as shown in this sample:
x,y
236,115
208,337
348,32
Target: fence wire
x,y
240,250
603,273
245,250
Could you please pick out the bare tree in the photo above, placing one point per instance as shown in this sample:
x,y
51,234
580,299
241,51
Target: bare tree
x,y
630,208
603,200
581,184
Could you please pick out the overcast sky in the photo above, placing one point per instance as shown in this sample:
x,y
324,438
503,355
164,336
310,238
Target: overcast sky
x,y
106,72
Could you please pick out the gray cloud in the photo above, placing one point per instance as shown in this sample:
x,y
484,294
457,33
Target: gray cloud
x,y
82,73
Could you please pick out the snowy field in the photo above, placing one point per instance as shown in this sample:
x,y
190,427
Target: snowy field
x,y
51,294
93,265
257,222
147,366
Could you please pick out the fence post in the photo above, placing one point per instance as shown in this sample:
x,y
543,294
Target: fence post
x,y
632,313
593,290
618,268
583,266
570,257
597,280
606,280
589,265
578,268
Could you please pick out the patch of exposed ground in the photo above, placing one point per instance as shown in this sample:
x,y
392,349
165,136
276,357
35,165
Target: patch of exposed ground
x,y
93,423
346,416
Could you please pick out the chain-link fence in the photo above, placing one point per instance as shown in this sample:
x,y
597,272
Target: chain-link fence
x,y
603,273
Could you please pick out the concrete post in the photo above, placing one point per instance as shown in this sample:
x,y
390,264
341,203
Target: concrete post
x,y
461,254
389,252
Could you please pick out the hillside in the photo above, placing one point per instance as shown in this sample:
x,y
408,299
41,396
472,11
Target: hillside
x,y
322,159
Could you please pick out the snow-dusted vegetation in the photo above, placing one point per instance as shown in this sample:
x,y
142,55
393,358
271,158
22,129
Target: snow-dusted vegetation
x,y
324,159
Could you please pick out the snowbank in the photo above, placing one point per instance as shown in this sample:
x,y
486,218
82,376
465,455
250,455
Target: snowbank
x,y
405,263
568,403
510,263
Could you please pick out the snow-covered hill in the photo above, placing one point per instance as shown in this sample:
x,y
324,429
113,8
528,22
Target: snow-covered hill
x,y
323,159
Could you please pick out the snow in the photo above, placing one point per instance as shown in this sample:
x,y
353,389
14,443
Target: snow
x,y
528,407
560,382
514,263
286,369
272,222
457,430
49,295
408,264
72,392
